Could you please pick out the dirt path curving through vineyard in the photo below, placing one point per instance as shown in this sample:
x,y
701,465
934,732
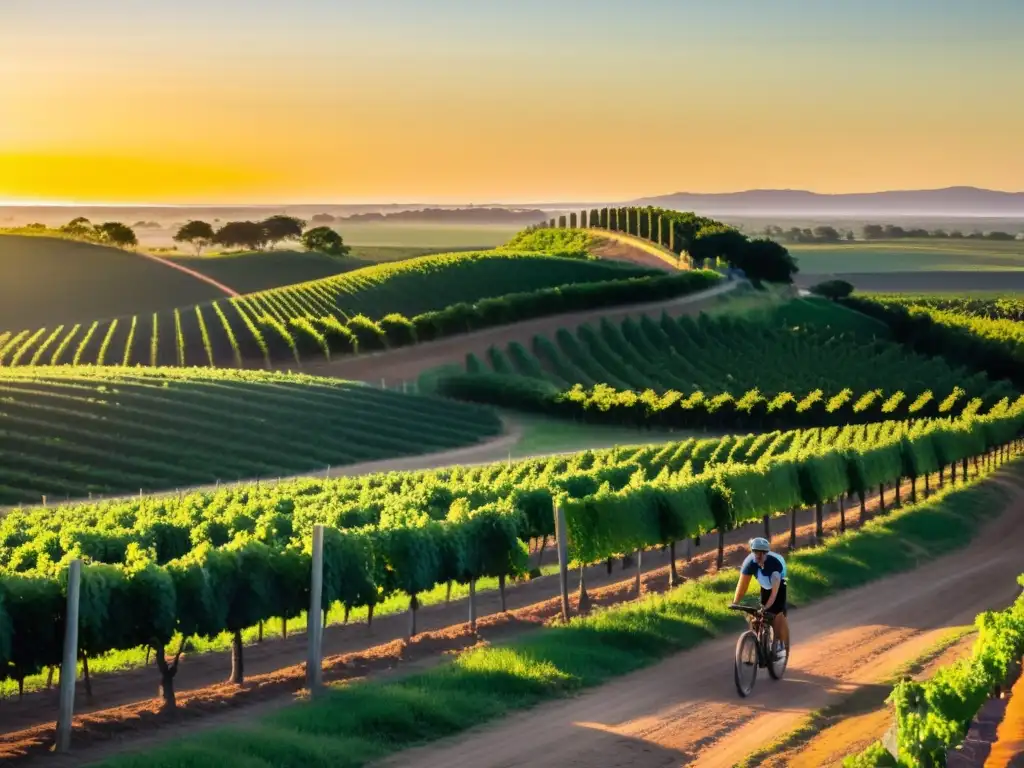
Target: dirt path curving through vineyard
x,y
618,246
407,363
123,714
685,710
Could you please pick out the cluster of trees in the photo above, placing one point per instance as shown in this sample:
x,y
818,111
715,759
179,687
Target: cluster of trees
x,y
892,232
821,234
688,235
108,233
260,235
829,234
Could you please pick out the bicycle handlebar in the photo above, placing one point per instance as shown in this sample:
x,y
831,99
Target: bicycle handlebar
x,y
745,608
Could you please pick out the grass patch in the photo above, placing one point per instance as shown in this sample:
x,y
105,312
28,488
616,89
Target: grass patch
x,y
378,717
543,436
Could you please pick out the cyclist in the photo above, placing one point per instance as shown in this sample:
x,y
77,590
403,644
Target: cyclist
x,y
770,570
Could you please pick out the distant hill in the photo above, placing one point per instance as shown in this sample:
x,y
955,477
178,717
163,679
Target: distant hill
x,y
951,201
518,216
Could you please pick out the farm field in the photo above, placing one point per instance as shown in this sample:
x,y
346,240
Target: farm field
x,y
308,319
667,414
860,257
48,281
251,271
308,498
925,593
77,431
806,360
950,282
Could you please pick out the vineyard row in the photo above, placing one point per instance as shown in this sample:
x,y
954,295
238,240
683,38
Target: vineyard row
x,y
215,589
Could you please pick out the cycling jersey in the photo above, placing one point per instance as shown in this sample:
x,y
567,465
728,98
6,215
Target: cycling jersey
x,y
773,564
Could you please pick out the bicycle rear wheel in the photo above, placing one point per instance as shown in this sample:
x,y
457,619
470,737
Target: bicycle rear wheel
x,y
745,671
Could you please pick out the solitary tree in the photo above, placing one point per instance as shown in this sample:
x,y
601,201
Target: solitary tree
x,y
198,234
116,233
242,234
80,227
833,289
325,240
280,228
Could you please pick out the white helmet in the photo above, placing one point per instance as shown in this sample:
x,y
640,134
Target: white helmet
x,y
759,545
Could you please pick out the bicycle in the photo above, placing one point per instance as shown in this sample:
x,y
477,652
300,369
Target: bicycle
x,y
756,648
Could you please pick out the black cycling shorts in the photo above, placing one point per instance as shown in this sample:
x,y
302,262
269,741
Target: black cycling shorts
x,y
779,606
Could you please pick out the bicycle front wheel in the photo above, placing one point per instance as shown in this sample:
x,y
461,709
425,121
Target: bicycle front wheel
x,y
745,671
776,666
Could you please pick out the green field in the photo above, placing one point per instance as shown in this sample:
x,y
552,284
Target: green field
x,y
909,256
251,271
51,281
808,361
71,431
308,319
668,428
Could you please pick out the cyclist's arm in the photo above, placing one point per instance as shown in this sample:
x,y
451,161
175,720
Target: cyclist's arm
x,y
741,587
776,581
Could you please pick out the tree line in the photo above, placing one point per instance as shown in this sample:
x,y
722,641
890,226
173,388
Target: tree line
x,y
829,234
260,235
690,237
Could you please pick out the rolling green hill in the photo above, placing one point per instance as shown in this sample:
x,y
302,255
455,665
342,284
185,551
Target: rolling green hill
x,y
48,281
288,323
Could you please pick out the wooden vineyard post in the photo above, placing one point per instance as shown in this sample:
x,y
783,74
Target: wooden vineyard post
x,y
563,559
639,571
314,669
842,514
767,527
819,523
792,528
472,605
68,667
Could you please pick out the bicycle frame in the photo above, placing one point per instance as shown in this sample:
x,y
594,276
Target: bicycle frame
x,y
761,627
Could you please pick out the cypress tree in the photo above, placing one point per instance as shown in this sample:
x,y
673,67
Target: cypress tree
x,y
613,219
644,229
661,229
672,236
595,217
572,220
633,221
561,222
583,219
604,218
551,224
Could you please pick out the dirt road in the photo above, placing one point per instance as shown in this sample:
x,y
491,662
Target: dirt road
x,y
685,710
406,363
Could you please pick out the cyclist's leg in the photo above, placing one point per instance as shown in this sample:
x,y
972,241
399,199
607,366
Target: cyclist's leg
x,y
781,627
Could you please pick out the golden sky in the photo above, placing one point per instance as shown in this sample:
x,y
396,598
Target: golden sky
x,y
459,101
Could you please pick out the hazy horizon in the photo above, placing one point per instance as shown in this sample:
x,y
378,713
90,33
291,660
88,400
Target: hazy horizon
x,y
232,102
